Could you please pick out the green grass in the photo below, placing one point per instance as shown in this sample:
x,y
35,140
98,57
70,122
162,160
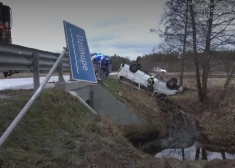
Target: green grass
x,y
46,130
58,131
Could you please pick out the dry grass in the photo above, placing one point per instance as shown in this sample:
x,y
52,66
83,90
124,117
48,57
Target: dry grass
x,y
216,116
140,102
215,127
212,82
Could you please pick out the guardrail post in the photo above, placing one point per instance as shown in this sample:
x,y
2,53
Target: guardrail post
x,y
36,76
60,72
70,74
91,97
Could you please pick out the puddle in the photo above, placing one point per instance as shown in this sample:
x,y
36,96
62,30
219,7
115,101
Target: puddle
x,y
190,154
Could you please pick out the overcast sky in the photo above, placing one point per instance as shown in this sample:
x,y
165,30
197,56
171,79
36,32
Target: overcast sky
x,y
112,27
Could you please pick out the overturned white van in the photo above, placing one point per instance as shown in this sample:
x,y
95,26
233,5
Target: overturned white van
x,y
133,75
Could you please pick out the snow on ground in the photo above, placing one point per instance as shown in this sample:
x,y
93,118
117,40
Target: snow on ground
x,y
27,83
190,154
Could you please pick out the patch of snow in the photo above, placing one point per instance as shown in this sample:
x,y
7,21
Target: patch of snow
x,y
26,83
190,154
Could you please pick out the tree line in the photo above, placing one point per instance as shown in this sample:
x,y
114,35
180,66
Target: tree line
x,y
221,61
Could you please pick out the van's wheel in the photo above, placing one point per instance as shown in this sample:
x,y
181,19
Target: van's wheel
x,y
139,65
175,80
120,79
172,83
134,68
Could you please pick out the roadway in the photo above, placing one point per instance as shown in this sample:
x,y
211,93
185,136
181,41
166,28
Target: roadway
x,y
27,83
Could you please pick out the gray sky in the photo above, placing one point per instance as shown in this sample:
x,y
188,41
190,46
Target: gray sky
x,y
112,27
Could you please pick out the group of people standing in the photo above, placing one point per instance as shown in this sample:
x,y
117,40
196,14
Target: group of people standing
x,y
101,62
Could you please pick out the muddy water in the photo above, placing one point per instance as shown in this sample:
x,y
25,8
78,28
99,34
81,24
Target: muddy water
x,y
190,154
183,131
181,141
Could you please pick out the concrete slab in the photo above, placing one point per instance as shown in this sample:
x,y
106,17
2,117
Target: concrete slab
x,y
102,102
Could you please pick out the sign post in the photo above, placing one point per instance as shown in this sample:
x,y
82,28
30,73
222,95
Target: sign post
x,y
80,59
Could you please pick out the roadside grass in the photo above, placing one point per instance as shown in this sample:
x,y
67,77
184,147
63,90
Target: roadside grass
x,y
216,116
58,131
139,102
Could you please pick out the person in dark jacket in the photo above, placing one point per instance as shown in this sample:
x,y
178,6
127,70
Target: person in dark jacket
x,y
150,84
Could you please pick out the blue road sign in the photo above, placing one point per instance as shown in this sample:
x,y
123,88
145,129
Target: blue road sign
x,y
80,57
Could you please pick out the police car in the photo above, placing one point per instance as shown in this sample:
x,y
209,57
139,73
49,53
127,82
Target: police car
x,y
133,75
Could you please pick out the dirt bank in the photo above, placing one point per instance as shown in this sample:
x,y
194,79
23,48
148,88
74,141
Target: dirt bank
x,y
175,128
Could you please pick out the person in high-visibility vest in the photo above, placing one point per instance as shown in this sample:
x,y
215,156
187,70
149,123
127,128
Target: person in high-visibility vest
x,y
150,84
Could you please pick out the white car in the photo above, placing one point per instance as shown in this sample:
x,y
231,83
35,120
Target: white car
x,y
158,69
133,75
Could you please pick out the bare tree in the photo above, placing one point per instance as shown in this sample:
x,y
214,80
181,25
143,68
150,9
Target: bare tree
x,y
214,30
197,153
223,155
195,54
207,52
138,59
174,34
184,45
224,90
174,22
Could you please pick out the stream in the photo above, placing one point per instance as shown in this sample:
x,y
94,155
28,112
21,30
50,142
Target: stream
x,y
181,141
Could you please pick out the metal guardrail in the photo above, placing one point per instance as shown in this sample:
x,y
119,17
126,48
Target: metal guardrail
x,y
15,57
